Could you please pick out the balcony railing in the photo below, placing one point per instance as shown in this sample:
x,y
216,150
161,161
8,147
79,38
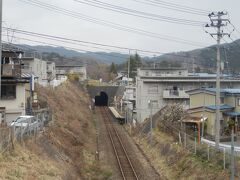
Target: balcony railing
x,y
11,70
172,94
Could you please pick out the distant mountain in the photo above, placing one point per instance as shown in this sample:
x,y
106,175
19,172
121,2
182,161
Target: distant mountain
x,y
204,59
104,57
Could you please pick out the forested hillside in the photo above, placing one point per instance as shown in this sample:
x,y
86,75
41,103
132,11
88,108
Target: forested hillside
x,y
199,60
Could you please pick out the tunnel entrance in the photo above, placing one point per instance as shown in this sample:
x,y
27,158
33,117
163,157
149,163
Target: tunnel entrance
x,y
101,100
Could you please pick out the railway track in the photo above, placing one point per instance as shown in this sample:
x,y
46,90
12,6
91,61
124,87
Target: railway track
x,y
124,163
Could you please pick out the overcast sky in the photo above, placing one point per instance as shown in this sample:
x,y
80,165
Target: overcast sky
x,y
17,14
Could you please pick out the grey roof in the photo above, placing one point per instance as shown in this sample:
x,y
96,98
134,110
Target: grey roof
x,y
163,68
213,90
69,66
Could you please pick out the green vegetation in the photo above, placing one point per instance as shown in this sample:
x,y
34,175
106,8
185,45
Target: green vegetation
x,y
135,62
112,71
73,77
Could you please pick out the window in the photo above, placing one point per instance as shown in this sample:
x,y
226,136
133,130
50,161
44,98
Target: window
x,y
222,100
153,104
153,89
180,73
238,100
146,73
158,73
8,91
26,66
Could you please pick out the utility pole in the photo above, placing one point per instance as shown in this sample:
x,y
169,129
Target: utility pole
x,y
151,116
218,22
232,156
129,66
1,48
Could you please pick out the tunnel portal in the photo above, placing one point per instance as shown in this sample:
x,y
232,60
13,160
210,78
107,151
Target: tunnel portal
x,y
101,100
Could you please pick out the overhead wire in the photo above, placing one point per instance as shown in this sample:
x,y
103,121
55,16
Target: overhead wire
x,y
99,53
141,14
169,6
180,6
67,47
111,24
70,48
34,34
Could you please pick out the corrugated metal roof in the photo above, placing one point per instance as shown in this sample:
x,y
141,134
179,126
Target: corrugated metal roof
x,y
227,91
27,75
221,107
234,114
213,90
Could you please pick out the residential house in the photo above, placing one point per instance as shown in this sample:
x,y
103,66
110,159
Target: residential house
x,y
129,101
37,67
13,86
203,105
51,71
122,80
163,86
63,70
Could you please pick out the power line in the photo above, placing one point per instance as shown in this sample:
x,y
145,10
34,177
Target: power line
x,y
57,45
46,36
87,50
180,6
110,24
230,35
141,14
166,5
235,28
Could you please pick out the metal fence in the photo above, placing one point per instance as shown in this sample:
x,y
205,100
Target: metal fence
x,y
5,139
220,158
26,128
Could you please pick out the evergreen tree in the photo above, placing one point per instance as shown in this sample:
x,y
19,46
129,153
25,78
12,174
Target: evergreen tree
x,y
113,68
135,62
112,71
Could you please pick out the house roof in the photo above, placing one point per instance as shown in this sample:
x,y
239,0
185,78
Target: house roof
x,y
232,114
163,68
21,80
69,66
28,75
213,90
221,107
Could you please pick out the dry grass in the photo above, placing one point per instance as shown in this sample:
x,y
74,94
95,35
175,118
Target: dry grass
x,y
174,162
66,149
23,164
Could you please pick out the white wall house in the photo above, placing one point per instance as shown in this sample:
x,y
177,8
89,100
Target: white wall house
x,y
63,70
51,70
37,67
164,86
13,91
13,99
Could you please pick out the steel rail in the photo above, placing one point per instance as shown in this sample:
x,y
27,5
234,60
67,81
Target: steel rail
x,y
110,127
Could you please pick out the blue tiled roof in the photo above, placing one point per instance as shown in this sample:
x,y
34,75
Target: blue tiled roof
x,y
232,113
222,107
227,91
213,90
